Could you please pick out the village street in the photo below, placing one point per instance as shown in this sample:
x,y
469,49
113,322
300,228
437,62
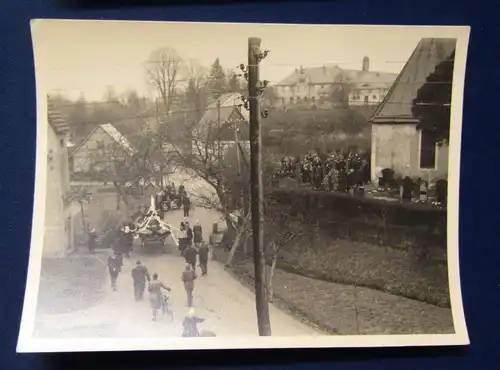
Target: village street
x,y
227,306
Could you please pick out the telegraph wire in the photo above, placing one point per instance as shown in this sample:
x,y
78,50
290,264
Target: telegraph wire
x,y
140,116
327,64
60,91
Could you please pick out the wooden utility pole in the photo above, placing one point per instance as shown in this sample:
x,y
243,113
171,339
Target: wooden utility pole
x,y
219,151
242,180
257,193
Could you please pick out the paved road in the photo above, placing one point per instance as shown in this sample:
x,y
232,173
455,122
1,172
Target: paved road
x,y
229,308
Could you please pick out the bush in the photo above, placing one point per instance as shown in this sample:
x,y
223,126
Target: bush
x,y
331,205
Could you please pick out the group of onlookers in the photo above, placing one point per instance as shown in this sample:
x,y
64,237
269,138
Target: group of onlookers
x,y
337,171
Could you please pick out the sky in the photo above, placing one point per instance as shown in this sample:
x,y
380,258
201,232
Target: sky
x,y
74,58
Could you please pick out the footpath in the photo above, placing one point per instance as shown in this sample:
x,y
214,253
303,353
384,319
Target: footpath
x,y
348,309
228,309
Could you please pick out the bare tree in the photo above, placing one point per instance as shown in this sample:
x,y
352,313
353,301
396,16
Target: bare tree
x,y
163,71
131,167
213,160
197,91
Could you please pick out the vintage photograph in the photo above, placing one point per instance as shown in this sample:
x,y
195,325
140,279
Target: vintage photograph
x,y
224,185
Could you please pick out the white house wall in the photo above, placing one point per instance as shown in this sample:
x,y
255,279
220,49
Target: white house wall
x,y
58,235
397,146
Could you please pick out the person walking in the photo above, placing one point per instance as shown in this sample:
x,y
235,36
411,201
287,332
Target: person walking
x,y
115,263
92,242
182,237
197,234
139,276
186,204
189,233
188,277
190,324
203,253
128,237
156,297
190,254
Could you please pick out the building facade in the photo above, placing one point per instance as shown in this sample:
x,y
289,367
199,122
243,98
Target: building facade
x,y
397,143
99,153
328,86
227,126
58,232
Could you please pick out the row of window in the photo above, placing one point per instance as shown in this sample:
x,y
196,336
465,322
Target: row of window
x,y
306,99
366,97
299,100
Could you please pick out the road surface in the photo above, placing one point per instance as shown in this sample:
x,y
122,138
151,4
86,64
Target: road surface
x,y
227,306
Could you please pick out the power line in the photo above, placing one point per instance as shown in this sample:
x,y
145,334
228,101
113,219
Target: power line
x,y
110,103
328,64
139,117
280,84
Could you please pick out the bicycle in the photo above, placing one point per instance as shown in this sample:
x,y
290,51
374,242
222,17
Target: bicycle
x,y
165,307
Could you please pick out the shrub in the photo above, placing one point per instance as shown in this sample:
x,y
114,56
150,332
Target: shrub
x,y
363,219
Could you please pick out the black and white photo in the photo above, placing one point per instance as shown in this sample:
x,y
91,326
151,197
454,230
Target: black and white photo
x,y
224,185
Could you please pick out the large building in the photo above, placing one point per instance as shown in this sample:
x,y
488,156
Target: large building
x,y
330,85
58,232
396,142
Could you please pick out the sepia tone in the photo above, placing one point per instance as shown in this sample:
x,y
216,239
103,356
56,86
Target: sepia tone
x,y
202,189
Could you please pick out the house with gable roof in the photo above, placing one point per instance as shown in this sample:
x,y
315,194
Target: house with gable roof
x,y
99,151
227,121
396,142
317,86
58,237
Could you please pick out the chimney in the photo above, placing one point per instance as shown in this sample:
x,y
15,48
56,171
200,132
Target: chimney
x,y
366,64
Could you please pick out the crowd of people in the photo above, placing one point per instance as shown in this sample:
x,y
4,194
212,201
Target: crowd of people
x,y
191,246
171,197
337,171
157,290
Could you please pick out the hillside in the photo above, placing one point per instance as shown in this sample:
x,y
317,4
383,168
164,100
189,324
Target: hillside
x,y
296,131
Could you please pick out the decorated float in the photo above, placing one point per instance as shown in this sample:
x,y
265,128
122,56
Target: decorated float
x,y
153,231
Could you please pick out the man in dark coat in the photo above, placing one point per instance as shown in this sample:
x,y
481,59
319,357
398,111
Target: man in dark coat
x,y
188,277
190,256
140,275
92,242
189,233
186,204
203,257
115,263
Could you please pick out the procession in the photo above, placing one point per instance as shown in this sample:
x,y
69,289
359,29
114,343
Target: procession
x,y
164,218
150,233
